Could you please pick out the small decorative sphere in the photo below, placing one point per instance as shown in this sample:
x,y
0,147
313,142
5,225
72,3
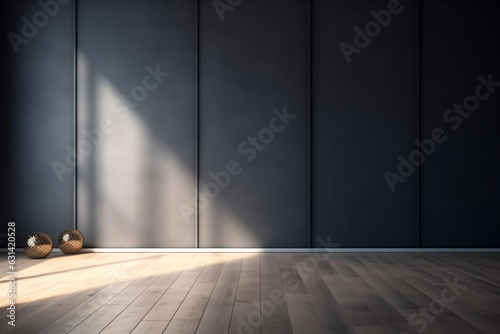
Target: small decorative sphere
x,y
38,245
70,241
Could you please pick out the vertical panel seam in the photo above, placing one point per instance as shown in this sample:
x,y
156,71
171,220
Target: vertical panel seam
x,y
419,126
197,126
75,112
309,120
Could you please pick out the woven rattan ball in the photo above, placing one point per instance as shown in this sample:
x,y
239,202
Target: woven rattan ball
x,y
38,245
70,241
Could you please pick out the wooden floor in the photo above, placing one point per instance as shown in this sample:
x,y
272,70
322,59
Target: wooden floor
x,y
255,293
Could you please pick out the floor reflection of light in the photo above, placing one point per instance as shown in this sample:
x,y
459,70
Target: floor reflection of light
x,y
41,281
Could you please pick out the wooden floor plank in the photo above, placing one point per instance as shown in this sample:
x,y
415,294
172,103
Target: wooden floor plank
x,y
186,293
98,320
384,269
217,315
136,311
481,314
66,291
84,297
106,295
362,305
165,308
326,307
188,315
448,321
377,295
246,312
274,311
487,275
483,294
302,314
150,327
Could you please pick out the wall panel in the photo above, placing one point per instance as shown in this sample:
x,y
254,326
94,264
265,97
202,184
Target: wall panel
x,y
460,181
136,77
147,139
37,117
364,117
253,61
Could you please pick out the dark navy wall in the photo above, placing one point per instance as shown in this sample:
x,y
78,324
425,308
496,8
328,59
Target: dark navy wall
x,y
136,73
37,111
460,183
297,120
251,63
365,115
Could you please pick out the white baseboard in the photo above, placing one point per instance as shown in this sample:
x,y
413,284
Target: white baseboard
x,y
277,250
